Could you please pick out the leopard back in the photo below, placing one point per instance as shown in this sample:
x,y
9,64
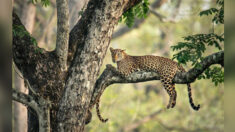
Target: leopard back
x,y
165,67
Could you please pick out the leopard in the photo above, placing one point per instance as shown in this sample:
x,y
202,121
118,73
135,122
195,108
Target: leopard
x,y
165,67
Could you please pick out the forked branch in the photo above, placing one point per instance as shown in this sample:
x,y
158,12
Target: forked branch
x,y
40,105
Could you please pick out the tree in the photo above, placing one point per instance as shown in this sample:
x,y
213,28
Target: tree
x,y
64,84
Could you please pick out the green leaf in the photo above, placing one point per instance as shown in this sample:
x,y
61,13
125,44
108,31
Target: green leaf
x,y
140,11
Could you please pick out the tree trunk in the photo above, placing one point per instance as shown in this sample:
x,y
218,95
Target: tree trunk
x,y
88,44
100,17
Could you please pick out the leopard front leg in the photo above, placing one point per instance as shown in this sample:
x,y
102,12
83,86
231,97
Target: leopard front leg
x,y
124,72
170,88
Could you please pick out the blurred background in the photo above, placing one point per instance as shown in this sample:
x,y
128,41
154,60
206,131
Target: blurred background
x,y
138,107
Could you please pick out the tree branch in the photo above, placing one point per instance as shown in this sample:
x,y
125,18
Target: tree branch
x,y
62,32
110,76
25,99
41,106
28,58
145,119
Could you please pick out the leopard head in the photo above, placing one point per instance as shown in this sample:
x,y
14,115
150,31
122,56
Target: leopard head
x,y
117,54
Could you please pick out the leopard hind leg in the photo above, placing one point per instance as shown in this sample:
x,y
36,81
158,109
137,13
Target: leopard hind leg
x,y
170,88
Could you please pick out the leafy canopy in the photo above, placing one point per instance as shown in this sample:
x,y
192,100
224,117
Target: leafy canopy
x,y
140,11
192,49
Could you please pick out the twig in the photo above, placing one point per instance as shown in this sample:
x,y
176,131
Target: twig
x,y
26,80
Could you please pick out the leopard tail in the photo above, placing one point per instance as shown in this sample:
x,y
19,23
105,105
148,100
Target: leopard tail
x,y
98,113
196,108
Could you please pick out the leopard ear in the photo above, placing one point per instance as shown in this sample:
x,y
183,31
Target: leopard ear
x,y
124,50
111,49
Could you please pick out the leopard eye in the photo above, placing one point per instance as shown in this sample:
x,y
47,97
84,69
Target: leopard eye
x,y
119,55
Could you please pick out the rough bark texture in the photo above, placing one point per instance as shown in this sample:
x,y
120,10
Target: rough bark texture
x,y
94,30
62,32
39,67
75,6
91,34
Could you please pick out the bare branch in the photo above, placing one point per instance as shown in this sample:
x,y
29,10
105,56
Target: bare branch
x,y
41,106
62,32
110,76
25,99
181,129
145,119
160,16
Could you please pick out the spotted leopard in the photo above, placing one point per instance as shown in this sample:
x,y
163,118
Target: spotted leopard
x,y
166,68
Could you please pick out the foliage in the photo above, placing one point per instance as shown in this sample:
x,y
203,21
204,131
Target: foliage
x,y
215,73
218,13
19,30
43,2
192,49
139,11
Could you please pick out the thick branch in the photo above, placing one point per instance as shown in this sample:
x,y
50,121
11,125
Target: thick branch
x,y
110,76
41,106
192,74
62,32
30,59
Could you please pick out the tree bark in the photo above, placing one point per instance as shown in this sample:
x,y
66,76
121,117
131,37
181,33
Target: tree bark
x,y
94,29
47,79
62,32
